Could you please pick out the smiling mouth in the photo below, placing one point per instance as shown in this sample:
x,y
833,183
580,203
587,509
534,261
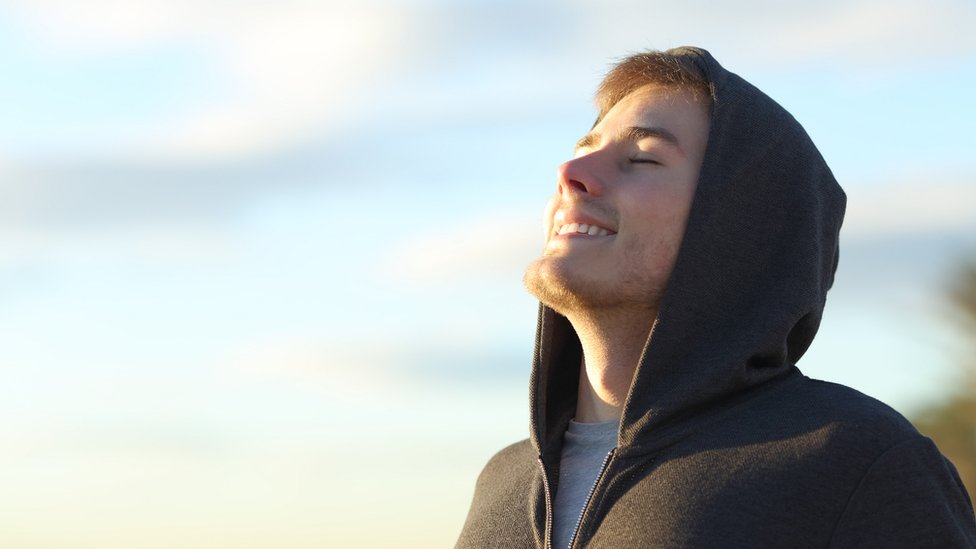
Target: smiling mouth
x,y
583,228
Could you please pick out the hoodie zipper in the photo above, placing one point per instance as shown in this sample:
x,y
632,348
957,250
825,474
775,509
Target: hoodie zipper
x,y
545,488
586,505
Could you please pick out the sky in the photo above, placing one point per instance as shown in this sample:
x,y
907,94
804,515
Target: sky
x,y
260,263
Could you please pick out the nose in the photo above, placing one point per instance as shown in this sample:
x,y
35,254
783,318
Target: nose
x,y
580,176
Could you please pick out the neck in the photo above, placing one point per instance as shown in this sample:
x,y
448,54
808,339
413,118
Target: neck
x,y
612,345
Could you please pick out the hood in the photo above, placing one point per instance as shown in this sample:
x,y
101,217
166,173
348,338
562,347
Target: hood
x,y
747,292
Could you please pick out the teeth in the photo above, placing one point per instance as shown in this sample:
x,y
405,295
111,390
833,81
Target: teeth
x,y
583,228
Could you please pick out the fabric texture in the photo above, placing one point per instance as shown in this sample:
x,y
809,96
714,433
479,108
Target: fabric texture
x,y
722,441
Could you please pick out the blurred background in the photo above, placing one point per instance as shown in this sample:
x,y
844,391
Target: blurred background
x,y
260,263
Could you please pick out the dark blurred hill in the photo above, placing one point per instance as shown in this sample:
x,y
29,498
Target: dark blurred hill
x,y
952,422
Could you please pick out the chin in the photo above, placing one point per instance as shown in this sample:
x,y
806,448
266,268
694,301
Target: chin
x,y
551,285
566,291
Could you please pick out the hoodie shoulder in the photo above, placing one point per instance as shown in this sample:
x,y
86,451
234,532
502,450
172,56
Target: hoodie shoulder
x,y
852,410
911,496
513,460
503,500
849,421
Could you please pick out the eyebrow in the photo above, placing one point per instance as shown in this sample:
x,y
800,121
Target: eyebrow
x,y
633,133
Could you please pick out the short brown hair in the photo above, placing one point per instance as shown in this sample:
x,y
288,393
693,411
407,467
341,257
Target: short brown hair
x,y
663,68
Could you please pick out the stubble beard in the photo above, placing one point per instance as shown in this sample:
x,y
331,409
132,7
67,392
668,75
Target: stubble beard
x,y
551,280
552,288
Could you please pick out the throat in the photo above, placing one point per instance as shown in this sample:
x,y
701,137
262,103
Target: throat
x,y
610,360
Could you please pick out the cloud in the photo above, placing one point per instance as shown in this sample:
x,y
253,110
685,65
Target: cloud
x,y
344,372
284,70
496,244
286,73
97,193
113,191
26,251
358,372
757,33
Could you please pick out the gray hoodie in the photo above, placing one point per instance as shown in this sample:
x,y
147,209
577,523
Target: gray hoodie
x,y
722,441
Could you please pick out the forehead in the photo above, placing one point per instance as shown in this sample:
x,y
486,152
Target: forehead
x,y
655,105
679,118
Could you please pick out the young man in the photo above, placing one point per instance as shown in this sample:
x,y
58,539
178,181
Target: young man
x,y
690,245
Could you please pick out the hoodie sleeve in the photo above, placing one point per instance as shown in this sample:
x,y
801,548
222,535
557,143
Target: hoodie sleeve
x,y
911,496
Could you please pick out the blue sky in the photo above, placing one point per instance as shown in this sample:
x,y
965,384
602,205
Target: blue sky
x,y
260,264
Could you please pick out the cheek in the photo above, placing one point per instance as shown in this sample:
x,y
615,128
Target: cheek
x,y
655,244
671,210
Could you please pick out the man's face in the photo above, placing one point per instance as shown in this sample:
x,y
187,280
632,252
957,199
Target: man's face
x,y
615,223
